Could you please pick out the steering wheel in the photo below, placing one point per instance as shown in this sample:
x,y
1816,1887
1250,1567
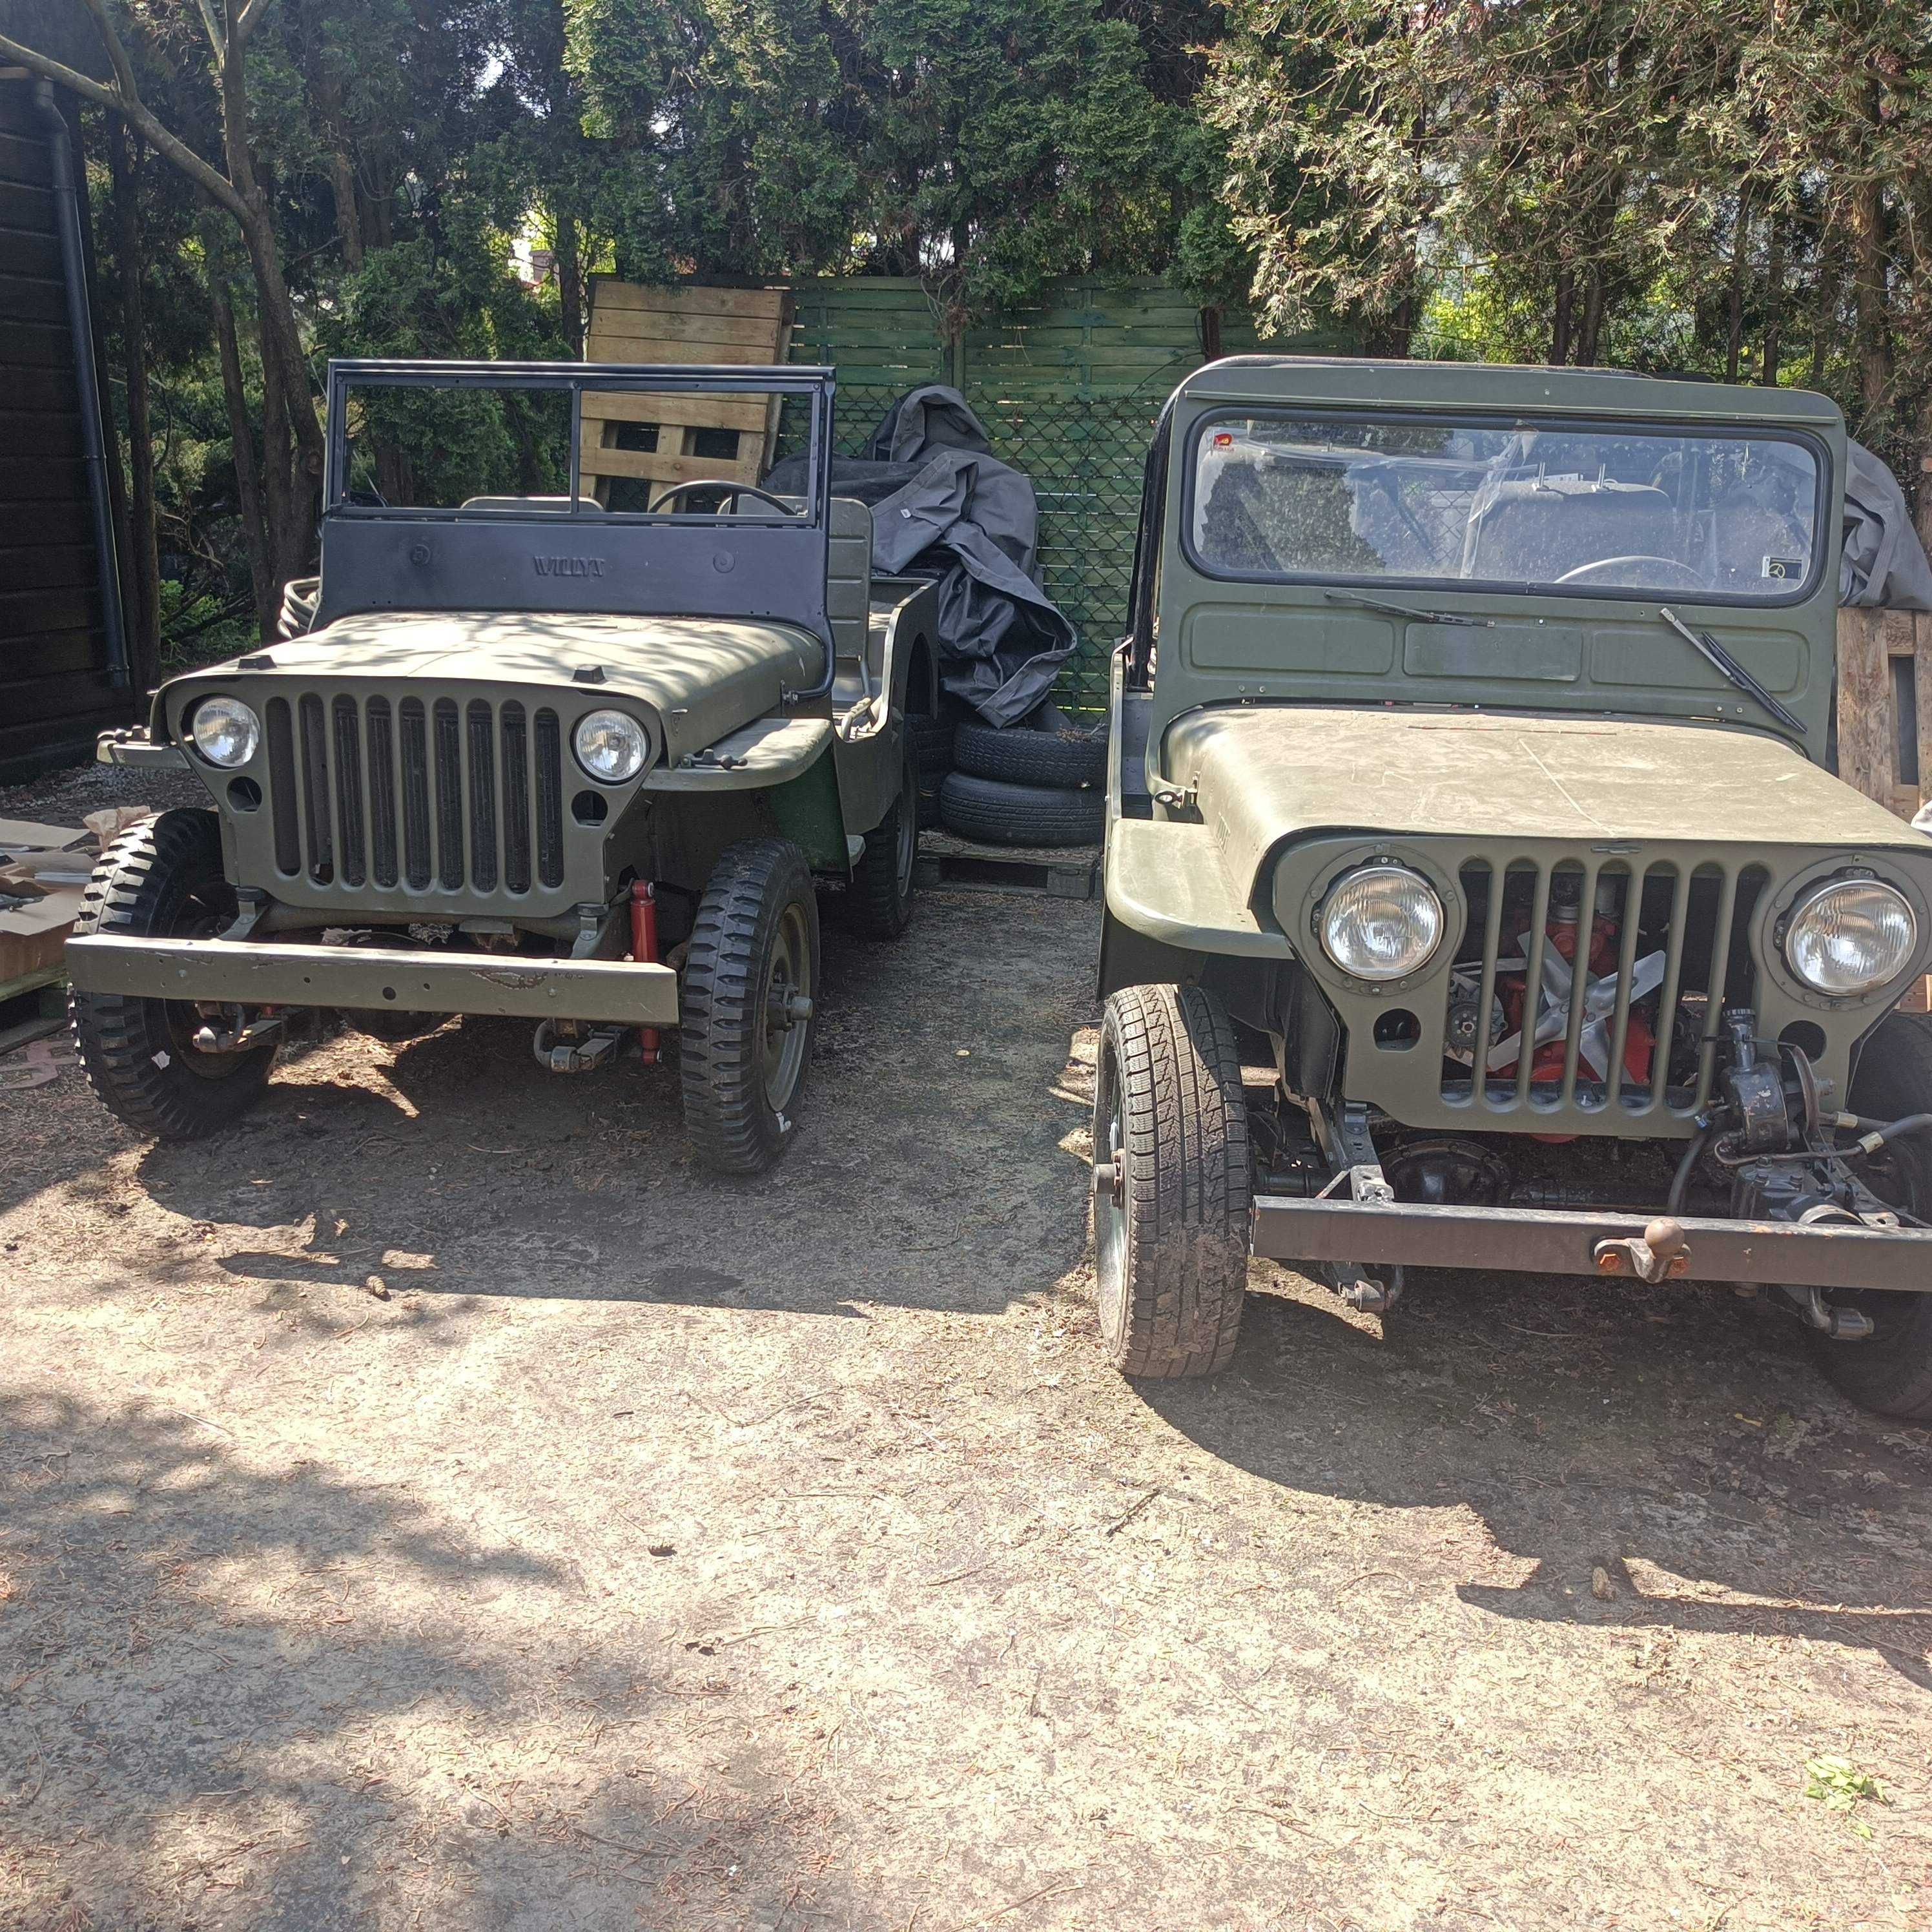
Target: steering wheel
x,y
1586,573
733,490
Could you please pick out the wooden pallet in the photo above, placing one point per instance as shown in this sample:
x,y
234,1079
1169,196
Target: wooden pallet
x,y
663,439
1885,716
1061,871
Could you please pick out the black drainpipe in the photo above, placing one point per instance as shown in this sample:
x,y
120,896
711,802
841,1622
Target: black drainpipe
x,y
80,327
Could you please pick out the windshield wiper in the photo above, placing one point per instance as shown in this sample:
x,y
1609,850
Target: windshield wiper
x,y
1409,611
1709,648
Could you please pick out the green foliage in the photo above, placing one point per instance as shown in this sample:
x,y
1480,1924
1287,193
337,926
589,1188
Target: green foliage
x,y
1838,1784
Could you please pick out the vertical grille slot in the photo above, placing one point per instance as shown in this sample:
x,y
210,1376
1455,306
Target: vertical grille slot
x,y
515,738
550,799
349,791
417,862
282,788
1602,1044
382,791
448,795
315,790
482,797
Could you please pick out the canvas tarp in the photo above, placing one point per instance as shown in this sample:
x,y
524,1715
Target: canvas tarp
x,y
943,506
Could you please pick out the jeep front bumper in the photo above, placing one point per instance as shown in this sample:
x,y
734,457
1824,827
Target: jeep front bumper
x,y
241,973
1531,1241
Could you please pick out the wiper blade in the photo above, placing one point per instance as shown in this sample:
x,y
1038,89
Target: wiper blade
x,y
1708,647
1409,611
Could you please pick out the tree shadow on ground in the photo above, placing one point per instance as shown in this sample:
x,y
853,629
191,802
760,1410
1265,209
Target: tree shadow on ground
x,y
270,1679
1681,1444
927,1172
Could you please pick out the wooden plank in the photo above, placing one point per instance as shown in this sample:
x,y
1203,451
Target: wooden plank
x,y
1864,705
608,294
654,466
612,331
24,163
1922,674
673,354
31,566
740,412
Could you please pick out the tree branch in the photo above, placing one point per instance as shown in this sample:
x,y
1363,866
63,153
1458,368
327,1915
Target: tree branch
x,y
214,184
250,17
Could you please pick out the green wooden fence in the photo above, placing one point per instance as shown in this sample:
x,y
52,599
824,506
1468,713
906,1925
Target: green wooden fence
x,y
1069,391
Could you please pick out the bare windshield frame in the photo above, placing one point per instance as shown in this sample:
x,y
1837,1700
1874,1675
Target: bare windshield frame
x,y
817,384
1654,426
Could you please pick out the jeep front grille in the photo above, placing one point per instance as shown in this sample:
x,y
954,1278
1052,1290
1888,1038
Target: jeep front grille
x,y
422,795
1666,941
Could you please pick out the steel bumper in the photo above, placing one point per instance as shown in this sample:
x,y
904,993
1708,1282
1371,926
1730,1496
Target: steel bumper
x,y
1532,1242
621,993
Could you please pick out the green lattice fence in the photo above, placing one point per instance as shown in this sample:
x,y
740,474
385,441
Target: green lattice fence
x,y
1069,392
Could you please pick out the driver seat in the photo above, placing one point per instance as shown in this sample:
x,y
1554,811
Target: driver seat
x,y
1537,529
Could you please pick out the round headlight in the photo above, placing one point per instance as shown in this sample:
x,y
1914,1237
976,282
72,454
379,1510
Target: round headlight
x,y
225,731
1382,922
1851,935
611,747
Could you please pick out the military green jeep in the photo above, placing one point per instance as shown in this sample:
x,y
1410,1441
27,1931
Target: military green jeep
x,y
521,751
1471,790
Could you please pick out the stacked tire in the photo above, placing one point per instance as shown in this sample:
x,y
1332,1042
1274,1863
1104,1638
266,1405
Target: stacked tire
x,y
1025,787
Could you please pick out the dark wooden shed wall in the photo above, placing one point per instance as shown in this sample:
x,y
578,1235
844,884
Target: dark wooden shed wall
x,y
55,691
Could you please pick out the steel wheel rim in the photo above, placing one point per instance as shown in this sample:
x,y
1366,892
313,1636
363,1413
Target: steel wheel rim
x,y
788,977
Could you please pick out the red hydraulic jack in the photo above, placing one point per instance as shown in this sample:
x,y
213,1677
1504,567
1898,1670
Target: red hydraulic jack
x,y
644,950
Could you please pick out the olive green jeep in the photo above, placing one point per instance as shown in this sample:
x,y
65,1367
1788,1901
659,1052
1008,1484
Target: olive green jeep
x,y
1471,789
521,751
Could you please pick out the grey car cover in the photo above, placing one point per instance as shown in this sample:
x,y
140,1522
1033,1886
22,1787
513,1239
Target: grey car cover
x,y
1884,561
942,506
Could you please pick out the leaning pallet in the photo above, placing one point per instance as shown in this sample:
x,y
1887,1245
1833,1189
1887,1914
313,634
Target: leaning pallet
x,y
1884,715
657,440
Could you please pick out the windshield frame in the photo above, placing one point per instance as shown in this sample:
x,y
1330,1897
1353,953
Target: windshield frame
x,y
816,384
1357,414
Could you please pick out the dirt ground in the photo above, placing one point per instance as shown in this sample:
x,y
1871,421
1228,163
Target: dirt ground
x,y
673,1555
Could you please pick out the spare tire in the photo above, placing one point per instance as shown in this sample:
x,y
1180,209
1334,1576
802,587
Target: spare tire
x,y
1070,761
1015,814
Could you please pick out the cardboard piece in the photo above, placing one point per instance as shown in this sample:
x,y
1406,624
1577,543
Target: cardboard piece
x,y
22,835
33,936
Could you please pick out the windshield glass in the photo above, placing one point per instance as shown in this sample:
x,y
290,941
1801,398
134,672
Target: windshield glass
x,y
555,446
1611,508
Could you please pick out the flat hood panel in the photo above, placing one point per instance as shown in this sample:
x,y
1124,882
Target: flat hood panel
x,y
703,677
1266,773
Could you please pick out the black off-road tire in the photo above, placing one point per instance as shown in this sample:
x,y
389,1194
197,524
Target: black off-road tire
x,y
1171,1232
1890,1372
161,879
1070,761
932,753
879,897
760,900
997,814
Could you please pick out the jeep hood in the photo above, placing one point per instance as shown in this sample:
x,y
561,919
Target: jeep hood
x,y
703,677
1266,774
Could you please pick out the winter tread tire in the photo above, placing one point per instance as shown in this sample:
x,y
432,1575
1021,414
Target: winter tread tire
x,y
879,897
734,1127
1030,757
135,1051
1171,1253
1890,1372
997,814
